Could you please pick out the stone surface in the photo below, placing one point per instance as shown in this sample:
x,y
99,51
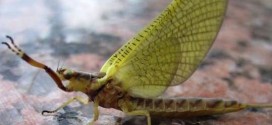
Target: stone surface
x,y
238,66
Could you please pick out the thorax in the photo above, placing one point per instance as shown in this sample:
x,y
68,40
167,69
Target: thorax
x,y
109,95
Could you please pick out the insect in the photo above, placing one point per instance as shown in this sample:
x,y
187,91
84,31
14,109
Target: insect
x,y
163,54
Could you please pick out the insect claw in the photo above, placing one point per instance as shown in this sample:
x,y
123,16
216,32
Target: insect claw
x,y
12,42
10,38
12,46
5,43
47,112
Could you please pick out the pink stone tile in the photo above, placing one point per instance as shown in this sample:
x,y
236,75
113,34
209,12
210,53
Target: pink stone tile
x,y
91,62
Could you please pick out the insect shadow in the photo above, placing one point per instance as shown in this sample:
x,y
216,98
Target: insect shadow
x,y
69,116
140,120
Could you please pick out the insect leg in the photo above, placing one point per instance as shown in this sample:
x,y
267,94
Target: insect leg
x,y
77,98
14,48
125,106
96,112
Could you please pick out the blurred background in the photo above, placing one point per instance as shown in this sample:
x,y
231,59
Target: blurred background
x,y
83,34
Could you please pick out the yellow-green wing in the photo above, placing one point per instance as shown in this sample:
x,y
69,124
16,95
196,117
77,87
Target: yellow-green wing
x,y
168,50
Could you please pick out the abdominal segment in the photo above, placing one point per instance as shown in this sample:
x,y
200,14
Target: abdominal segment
x,y
186,107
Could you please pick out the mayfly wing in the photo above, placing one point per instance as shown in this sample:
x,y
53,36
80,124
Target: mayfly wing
x,y
168,50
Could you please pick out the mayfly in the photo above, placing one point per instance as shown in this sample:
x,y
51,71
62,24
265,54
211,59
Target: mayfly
x,y
163,54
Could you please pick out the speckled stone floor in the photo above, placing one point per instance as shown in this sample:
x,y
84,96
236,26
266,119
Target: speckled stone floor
x,y
237,67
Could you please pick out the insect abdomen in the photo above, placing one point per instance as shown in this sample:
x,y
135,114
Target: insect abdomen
x,y
186,107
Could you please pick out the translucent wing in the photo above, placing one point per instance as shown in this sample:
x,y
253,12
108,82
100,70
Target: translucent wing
x,y
169,50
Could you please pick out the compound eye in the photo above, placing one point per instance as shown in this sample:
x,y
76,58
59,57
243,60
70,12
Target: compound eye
x,y
68,74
